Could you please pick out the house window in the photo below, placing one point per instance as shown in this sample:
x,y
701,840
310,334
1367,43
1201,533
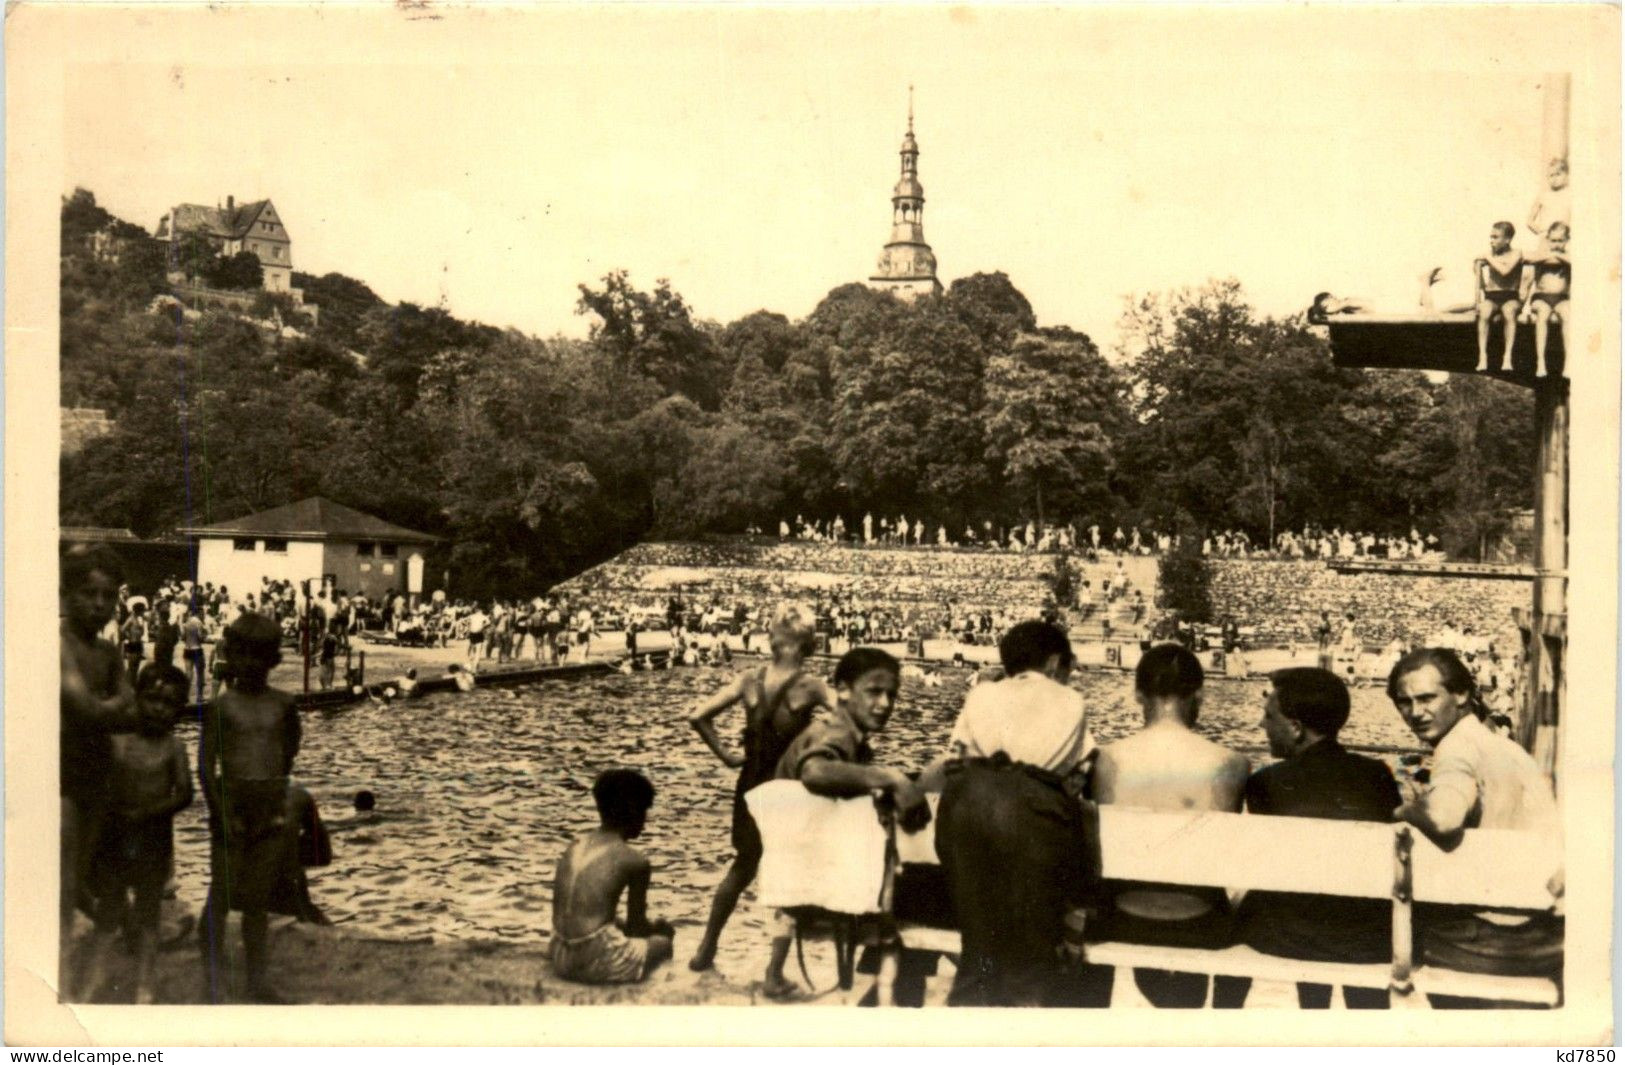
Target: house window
x,y
388,550
364,548
242,544
278,546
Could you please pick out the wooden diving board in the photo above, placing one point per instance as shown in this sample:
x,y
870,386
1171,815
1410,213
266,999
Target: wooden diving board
x,y
1447,342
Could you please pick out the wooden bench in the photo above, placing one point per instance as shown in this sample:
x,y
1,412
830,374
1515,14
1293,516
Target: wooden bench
x,y
1351,859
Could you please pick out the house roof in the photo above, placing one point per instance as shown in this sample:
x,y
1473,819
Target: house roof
x,y
231,223
315,518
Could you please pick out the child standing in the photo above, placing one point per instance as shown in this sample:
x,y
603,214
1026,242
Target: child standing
x,y
250,736
589,944
148,785
779,701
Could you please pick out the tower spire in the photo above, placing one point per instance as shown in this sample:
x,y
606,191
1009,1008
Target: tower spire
x,y
907,265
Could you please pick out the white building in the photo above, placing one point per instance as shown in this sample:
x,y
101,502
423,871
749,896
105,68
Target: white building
x,y
313,539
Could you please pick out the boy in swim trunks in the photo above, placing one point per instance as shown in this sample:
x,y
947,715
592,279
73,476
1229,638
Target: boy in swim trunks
x,y
148,784
250,736
1500,276
1548,277
589,945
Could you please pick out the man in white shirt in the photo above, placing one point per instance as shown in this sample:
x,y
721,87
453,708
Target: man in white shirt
x,y
1478,779
1010,830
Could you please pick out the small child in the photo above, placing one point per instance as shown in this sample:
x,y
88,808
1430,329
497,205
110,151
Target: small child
x,y
328,657
148,784
832,757
134,635
1500,274
249,739
1548,277
589,944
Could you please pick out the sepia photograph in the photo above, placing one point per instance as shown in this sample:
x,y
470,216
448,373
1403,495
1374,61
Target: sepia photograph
x,y
539,515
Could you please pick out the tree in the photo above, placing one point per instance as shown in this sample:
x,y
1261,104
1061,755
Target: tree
x,y
1050,416
992,308
239,271
907,417
193,254
343,302
652,333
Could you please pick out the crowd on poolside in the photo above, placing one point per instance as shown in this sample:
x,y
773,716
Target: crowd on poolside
x,y
1314,541
1010,825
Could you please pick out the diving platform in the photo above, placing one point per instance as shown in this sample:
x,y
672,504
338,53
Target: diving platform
x,y
1447,342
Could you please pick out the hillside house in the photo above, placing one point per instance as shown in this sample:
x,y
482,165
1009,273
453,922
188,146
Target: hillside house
x,y
254,227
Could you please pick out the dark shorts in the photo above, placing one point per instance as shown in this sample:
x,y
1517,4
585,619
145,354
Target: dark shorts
x,y
250,842
476,638
1551,299
1499,297
193,654
132,854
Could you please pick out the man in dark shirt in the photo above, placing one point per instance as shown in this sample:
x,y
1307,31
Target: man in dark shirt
x,y
1303,713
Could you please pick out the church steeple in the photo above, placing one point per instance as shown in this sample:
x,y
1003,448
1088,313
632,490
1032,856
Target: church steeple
x,y
907,265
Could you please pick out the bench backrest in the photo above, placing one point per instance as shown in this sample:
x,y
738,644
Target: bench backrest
x,y
1346,858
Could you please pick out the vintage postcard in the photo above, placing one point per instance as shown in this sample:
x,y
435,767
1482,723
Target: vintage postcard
x,y
541,525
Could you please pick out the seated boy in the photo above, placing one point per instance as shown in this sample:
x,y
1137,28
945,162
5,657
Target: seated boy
x,y
1500,274
149,783
1548,277
249,739
589,944
831,756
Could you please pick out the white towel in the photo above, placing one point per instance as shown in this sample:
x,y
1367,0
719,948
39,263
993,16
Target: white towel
x,y
817,851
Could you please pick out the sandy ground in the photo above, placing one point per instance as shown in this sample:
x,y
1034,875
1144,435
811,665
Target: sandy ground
x,y
316,964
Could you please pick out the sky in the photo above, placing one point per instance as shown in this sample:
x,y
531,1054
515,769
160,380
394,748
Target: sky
x,y
748,155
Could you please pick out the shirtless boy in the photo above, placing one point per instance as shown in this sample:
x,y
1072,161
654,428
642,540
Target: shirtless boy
x,y
150,782
96,700
1548,277
1167,766
1500,276
589,945
250,736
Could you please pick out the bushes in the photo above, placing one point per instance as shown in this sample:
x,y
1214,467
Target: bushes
x,y
1183,578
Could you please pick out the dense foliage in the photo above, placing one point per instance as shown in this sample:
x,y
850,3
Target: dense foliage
x,y
537,457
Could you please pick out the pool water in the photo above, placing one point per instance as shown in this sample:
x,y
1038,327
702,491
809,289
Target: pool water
x,y
478,794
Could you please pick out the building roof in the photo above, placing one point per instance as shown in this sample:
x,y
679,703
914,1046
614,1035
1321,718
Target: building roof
x,y
232,223
315,518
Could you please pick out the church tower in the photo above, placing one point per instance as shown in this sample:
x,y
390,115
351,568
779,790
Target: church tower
x,y
907,266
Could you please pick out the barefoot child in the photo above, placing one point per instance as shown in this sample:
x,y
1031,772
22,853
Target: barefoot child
x,y
1548,277
1500,275
249,739
589,944
779,701
96,700
832,757
150,782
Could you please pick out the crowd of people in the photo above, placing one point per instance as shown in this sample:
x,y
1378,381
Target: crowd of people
x,y
1092,540
1018,776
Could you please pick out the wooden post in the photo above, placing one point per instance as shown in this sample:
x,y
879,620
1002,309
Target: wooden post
x,y
1401,992
1548,615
